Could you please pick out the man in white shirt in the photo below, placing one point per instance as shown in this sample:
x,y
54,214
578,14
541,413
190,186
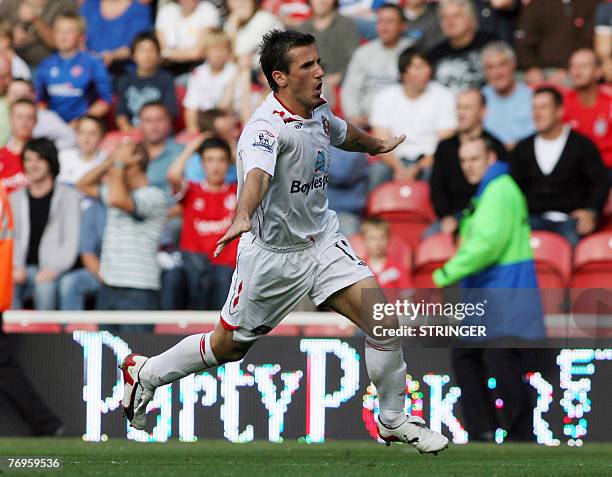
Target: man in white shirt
x,y
208,82
419,108
290,246
374,65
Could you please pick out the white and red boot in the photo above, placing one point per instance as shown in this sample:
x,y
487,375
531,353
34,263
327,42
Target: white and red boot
x,y
413,431
135,395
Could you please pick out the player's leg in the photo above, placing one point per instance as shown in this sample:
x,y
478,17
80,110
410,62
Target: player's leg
x,y
386,367
384,357
193,354
341,280
266,285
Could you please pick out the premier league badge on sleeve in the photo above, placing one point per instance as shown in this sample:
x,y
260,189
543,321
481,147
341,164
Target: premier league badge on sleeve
x,y
264,140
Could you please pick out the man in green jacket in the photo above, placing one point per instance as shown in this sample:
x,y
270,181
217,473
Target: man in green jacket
x,y
494,265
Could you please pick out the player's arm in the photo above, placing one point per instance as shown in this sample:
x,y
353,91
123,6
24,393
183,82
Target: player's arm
x,y
252,193
358,141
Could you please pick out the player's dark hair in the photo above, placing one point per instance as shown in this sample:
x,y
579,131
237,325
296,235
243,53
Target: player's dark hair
x,y
274,51
554,92
215,143
46,150
407,56
395,7
99,122
158,104
145,36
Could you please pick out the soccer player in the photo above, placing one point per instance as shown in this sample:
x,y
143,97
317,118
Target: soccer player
x,y
289,244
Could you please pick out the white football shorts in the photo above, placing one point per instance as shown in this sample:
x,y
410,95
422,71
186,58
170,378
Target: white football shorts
x,y
269,282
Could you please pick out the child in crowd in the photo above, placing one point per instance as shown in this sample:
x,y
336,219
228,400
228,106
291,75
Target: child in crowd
x,y
145,84
19,68
70,82
208,82
388,272
209,208
76,162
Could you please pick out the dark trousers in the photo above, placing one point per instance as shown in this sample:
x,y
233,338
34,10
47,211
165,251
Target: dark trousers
x,y
207,284
473,367
17,389
134,299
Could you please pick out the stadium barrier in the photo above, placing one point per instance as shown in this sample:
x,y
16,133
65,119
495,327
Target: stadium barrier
x,y
288,387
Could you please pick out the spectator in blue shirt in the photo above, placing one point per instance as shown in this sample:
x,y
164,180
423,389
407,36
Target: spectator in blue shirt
x,y
508,115
112,26
77,285
347,190
70,82
146,83
156,129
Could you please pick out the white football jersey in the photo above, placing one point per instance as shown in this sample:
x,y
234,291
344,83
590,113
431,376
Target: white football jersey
x,y
296,152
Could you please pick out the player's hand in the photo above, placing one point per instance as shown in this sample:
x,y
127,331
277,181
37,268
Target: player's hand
x,y
238,227
387,145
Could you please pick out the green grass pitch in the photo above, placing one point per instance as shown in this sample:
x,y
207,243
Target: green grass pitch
x,y
119,457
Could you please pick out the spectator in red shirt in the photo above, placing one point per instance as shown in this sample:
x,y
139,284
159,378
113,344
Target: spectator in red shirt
x,y
588,109
209,207
388,272
22,119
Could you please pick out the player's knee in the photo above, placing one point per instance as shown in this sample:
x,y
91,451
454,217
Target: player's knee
x,y
233,351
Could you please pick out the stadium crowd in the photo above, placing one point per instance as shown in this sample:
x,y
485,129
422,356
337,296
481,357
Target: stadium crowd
x,y
103,223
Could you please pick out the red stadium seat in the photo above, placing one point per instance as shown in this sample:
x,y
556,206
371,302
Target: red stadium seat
x,y
32,328
406,206
179,329
431,253
592,275
398,250
606,217
552,255
113,138
593,261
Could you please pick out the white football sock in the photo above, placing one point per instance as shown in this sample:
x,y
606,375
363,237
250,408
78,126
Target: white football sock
x,y
192,354
387,371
